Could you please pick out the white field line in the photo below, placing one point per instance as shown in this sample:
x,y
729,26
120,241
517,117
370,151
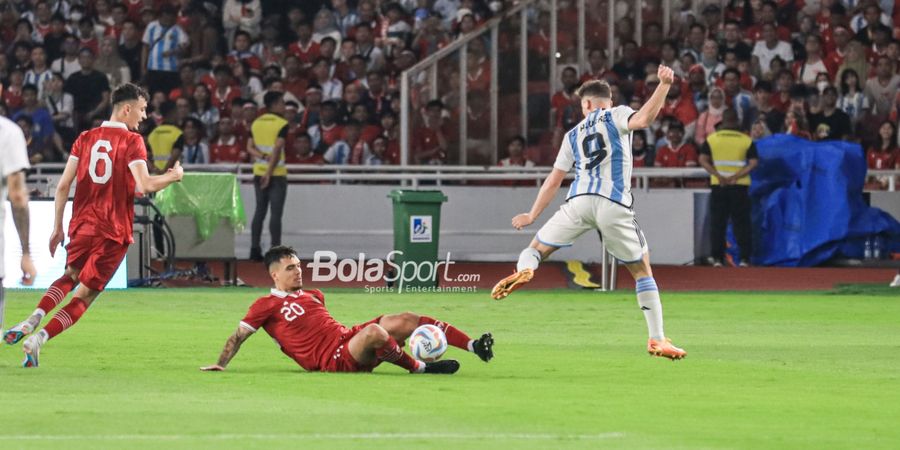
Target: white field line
x,y
312,436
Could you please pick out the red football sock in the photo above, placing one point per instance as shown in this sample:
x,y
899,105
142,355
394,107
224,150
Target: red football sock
x,y
65,317
392,353
56,293
455,336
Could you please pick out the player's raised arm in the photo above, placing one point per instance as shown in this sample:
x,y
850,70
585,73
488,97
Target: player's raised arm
x,y
232,345
647,114
147,183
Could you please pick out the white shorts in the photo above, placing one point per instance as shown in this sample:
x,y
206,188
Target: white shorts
x,y
618,228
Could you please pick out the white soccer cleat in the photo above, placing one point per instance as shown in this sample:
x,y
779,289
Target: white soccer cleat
x,y
896,282
32,349
16,333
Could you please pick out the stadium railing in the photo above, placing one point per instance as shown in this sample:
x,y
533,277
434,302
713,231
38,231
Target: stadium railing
x,y
46,175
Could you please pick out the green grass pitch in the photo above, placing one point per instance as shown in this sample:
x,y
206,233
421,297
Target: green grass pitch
x,y
782,370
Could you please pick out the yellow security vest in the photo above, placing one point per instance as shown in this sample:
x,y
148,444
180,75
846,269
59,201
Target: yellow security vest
x,y
729,153
265,131
161,141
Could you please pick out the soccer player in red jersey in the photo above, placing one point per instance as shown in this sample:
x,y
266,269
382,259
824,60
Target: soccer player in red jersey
x,y
306,332
109,163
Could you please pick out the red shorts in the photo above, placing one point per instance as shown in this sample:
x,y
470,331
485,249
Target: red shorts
x,y
97,259
340,359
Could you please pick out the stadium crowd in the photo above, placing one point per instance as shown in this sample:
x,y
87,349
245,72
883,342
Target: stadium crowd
x,y
821,69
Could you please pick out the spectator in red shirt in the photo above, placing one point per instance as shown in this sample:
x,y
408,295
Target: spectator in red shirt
x,y
301,152
565,107
884,154
681,107
242,51
806,70
598,67
368,131
430,140
325,133
87,35
767,16
187,75
677,152
228,148
119,15
391,134
840,40
223,92
650,46
305,49
642,153
515,149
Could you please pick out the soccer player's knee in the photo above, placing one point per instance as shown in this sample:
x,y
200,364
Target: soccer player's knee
x,y
410,320
376,334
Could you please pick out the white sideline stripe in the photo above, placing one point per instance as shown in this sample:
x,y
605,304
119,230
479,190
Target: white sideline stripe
x,y
314,436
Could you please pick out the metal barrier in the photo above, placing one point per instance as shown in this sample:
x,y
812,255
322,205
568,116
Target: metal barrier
x,y
414,176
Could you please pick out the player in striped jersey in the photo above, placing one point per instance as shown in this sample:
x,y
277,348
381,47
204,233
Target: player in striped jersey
x,y
599,150
164,41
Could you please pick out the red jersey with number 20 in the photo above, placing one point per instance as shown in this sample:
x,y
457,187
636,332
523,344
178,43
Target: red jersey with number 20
x,y
300,324
104,189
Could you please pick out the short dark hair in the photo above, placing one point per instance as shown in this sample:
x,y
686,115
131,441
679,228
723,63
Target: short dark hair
x,y
271,98
594,88
732,70
275,254
434,104
30,87
518,138
128,92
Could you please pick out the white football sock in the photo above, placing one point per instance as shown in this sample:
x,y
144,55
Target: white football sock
x,y
530,258
648,299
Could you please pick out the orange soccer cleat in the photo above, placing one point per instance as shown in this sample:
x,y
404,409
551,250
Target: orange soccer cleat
x,y
665,349
511,283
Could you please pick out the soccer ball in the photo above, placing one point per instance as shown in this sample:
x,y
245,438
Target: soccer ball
x,y
427,343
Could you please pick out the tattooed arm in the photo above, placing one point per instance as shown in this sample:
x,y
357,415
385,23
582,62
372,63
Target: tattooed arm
x,y
18,199
232,345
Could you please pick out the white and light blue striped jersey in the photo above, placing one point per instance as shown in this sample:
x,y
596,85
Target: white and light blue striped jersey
x,y
599,149
338,153
38,79
161,40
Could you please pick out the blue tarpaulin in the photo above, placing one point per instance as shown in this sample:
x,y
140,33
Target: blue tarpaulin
x,y
808,203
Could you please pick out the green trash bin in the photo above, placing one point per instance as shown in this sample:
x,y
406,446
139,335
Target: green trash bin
x,y
417,226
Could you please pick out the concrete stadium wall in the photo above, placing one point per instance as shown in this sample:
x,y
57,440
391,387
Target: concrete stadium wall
x,y
475,222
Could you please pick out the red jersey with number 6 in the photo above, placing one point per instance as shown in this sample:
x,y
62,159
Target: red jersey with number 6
x,y
104,189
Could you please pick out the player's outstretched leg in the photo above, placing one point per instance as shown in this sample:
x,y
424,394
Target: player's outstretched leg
x,y
61,321
54,295
374,342
648,300
400,327
529,260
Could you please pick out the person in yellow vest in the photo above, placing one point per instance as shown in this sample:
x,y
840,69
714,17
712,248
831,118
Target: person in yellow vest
x,y
266,148
729,156
165,141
